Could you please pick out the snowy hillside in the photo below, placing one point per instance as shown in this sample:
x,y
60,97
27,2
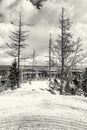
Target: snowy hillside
x,y
31,107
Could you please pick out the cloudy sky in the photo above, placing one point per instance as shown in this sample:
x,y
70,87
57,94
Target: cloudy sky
x,y
41,19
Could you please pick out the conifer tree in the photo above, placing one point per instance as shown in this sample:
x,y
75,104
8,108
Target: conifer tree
x,y
84,82
17,42
67,51
13,75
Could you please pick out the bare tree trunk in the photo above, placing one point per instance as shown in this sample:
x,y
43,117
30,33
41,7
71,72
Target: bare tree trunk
x,y
18,66
50,60
19,53
62,56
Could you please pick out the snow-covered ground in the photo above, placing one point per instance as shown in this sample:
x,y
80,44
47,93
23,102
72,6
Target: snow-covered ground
x,y
32,107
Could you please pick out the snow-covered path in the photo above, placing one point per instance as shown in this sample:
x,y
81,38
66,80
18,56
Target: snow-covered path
x,y
28,122
31,107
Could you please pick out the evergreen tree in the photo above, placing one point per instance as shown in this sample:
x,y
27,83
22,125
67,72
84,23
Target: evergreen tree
x,y
84,82
13,75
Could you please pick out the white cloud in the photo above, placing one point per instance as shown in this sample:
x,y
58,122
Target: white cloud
x,y
43,21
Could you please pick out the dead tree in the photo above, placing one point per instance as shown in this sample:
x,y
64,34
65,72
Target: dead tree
x,y
33,59
68,52
17,42
50,43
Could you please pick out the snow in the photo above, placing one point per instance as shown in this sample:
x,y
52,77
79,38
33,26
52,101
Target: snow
x,y
34,99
